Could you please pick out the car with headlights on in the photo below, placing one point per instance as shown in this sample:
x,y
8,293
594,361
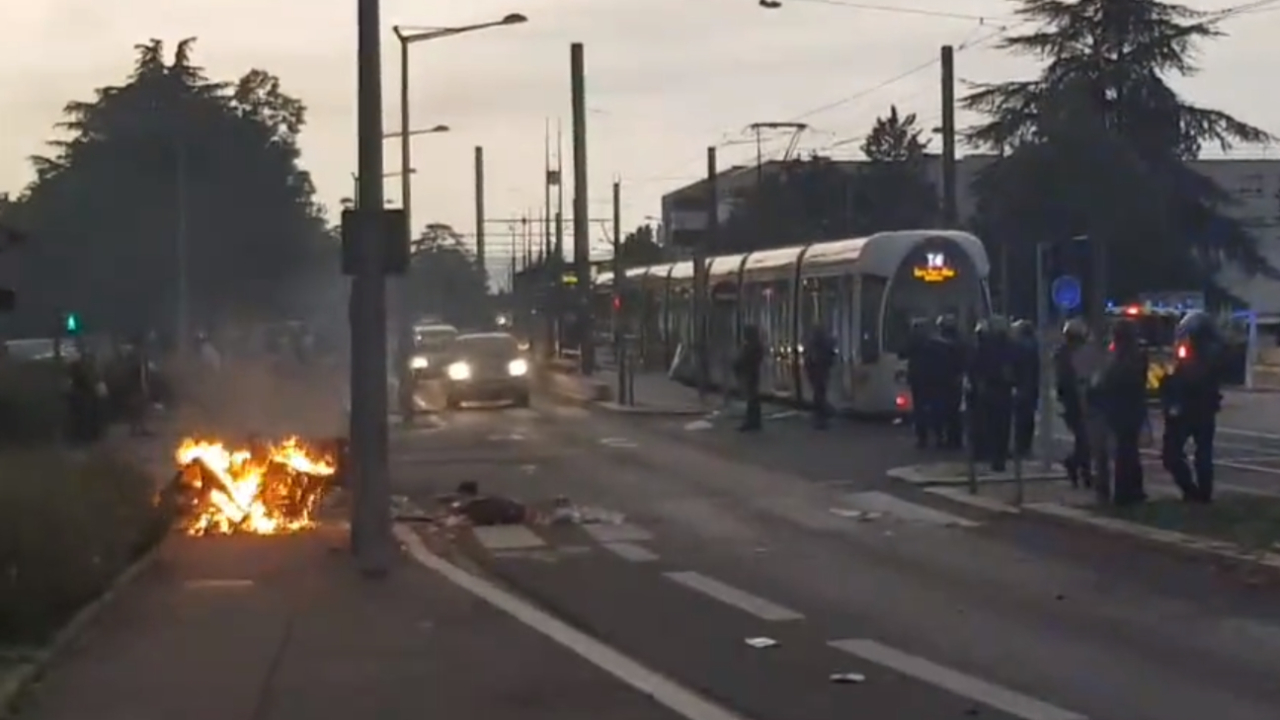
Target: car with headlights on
x,y
431,350
487,367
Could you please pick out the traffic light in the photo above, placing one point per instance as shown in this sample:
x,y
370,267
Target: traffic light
x,y
617,303
71,323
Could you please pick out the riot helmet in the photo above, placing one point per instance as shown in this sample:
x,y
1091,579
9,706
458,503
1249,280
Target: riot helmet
x,y
1024,329
1075,331
982,328
1198,330
947,326
998,326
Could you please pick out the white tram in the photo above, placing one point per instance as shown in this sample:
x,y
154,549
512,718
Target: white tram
x,y
864,291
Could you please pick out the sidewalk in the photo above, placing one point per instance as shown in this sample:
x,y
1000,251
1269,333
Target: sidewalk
x,y
283,628
657,394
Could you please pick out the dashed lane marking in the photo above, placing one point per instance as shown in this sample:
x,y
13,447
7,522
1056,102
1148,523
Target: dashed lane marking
x,y
995,696
670,694
501,538
630,551
620,533
729,595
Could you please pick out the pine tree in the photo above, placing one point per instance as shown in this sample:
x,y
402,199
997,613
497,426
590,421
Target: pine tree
x,y
1101,113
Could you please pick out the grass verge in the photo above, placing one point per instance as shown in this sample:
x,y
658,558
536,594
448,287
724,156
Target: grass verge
x,y
1251,522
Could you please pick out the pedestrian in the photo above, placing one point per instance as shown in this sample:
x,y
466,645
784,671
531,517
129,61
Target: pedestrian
x,y
1122,388
1190,400
819,356
747,369
991,383
950,355
1026,365
923,381
1070,391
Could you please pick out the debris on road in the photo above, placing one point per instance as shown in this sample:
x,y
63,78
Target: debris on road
x,y
761,643
847,678
565,512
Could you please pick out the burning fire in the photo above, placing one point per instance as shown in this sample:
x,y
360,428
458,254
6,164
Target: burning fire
x,y
265,490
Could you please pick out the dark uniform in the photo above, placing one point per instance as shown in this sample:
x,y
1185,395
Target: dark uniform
x,y
1122,393
1026,368
1070,391
819,356
950,355
991,383
1190,398
923,378
747,368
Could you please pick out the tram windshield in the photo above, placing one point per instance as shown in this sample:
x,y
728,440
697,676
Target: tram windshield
x,y
930,284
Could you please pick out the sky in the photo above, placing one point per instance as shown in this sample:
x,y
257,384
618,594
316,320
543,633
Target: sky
x,y
665,79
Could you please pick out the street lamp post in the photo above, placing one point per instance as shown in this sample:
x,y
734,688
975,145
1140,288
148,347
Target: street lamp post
x,y
404,325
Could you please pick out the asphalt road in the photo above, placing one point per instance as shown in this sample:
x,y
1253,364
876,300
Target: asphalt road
x,y
796,536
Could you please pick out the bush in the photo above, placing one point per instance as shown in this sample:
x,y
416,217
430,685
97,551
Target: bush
x,y
69,524
33,406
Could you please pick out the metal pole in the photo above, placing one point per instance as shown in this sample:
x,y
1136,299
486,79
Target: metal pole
x,y
951,213
404,323
700,276
1044,322
480,256
581,218
557,267
619,325
183,340
371,511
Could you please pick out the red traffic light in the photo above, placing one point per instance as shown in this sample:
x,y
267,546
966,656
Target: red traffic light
x,y
617,303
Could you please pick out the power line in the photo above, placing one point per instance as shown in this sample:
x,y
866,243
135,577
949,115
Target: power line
x,y
897,10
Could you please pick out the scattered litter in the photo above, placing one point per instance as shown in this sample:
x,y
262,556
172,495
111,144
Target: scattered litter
x,y
564,512
615,442
762,550
845,512
761,643
871,516
847,678
528,469
699,425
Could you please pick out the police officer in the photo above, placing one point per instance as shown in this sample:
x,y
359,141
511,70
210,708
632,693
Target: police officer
x,y
819,356
1026,366
747,368
949,355
1191,397
923,380
1070,391
991,382
1122,391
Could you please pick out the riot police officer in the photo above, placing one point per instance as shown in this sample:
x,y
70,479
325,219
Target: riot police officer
x,y
1026,366
1122,392
1190,399
991,383
923,380
948,354
1070,391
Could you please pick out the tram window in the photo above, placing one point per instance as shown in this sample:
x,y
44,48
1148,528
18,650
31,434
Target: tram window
x,y
870,303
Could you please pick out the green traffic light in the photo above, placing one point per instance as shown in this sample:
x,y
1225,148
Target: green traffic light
x,y
72,323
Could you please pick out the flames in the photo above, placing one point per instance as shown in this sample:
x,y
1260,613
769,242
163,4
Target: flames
x,y
265,489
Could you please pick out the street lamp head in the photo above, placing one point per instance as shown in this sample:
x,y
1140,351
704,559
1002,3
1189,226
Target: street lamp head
x,y
439,129
514,19
771,4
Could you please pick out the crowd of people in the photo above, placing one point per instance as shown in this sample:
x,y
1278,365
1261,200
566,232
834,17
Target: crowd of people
x,y
984,393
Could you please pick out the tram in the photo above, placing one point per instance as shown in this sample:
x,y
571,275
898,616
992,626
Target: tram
x,y
864,291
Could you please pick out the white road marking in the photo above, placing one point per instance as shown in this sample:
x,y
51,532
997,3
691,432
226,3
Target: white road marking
x,y
615,442
667,692
507,537
730,595
630,551
1000,698
882,502
512,437
622,532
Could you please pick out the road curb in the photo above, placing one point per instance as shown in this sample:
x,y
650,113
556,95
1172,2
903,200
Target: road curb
x,y
613,407
1193,544
15,685
914,475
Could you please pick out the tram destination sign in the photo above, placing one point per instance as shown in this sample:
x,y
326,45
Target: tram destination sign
x,y
935,268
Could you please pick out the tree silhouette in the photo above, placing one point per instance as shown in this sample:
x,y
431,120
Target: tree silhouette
x,y
640,247
1098,143
892,192
170,153
445,280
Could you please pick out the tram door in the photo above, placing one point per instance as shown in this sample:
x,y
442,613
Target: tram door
x,y
722,333
822,306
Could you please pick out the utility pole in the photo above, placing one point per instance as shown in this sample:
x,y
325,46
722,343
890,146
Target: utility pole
x,y
700,249
546,187
371,511
619,273
581,226
950,211
480,259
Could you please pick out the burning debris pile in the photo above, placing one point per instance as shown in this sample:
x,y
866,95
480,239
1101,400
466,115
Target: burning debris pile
x,y
264,489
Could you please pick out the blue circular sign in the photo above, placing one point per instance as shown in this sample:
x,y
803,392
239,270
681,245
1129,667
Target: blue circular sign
x,y
1065,292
